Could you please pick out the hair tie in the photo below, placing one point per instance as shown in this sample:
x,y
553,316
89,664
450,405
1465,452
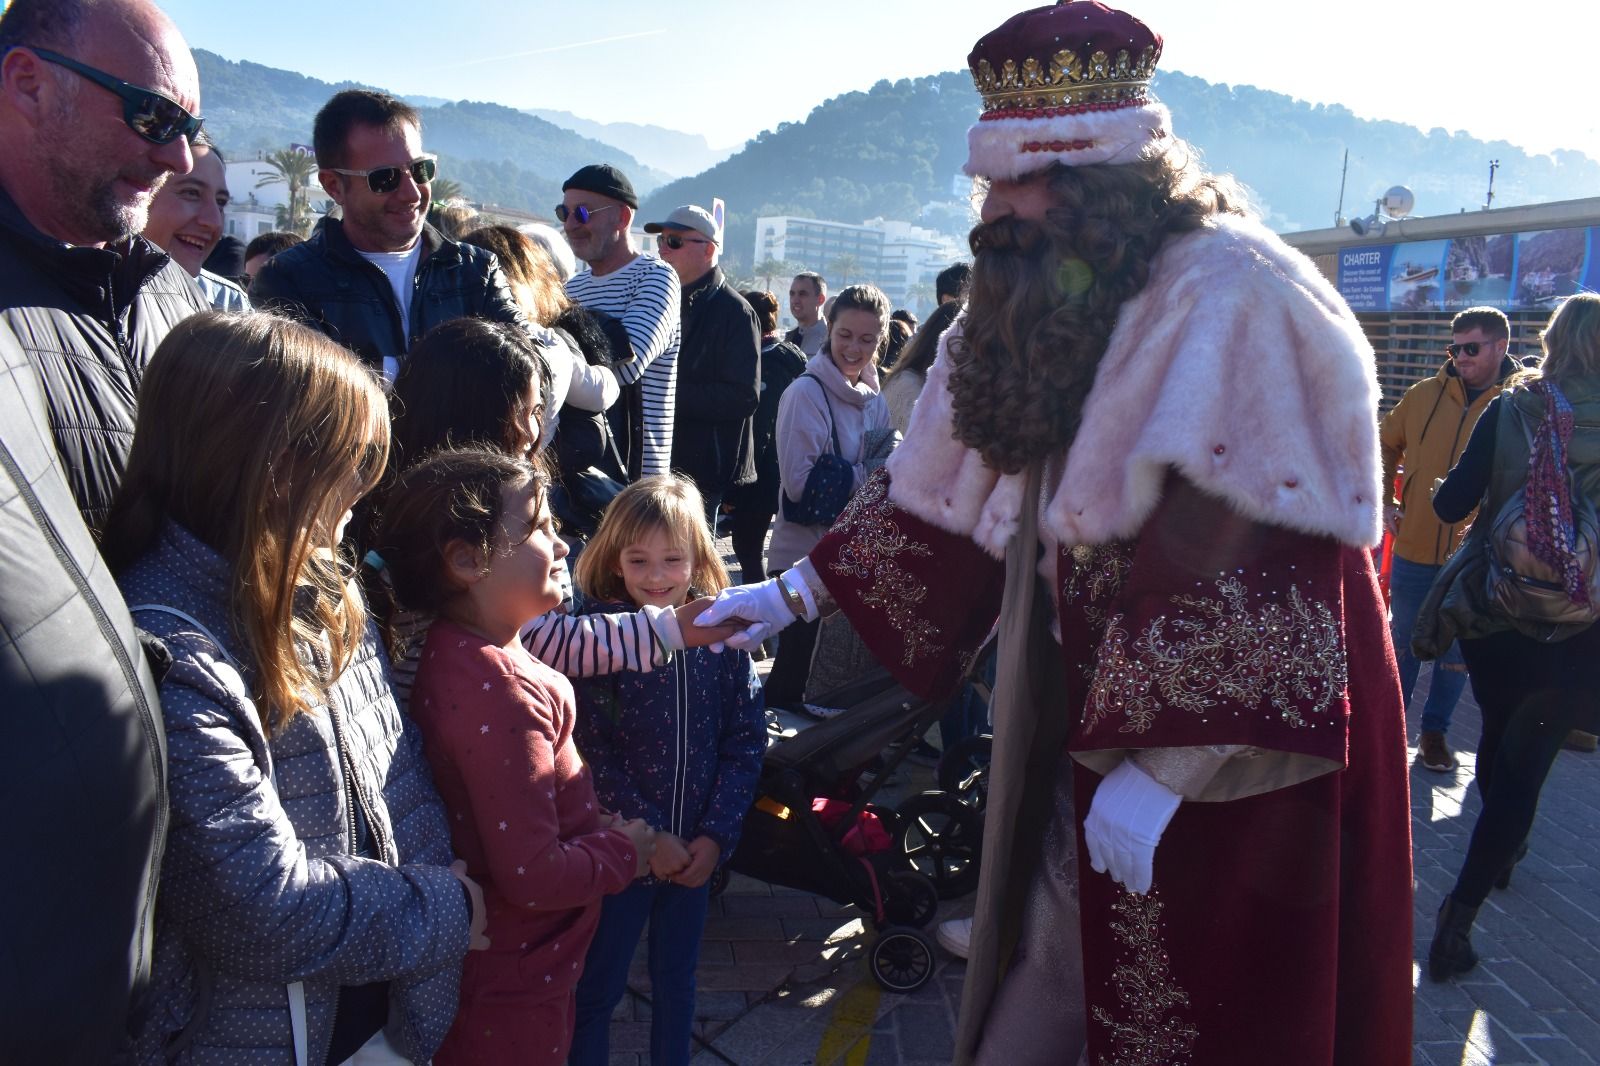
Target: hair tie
x,y
374,560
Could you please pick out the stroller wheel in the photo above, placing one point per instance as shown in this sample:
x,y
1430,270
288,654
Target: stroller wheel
x,y
911,899
719,881
902,960
964,769
940,837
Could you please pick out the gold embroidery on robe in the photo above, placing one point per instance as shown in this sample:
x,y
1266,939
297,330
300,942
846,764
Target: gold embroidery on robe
x,y
869,553
1151,1033
1286,655
1095,575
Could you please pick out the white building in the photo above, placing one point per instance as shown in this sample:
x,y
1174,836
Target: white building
x,y
900,258
253,211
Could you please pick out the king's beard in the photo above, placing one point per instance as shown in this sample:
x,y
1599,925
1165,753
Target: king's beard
x,y
1030,345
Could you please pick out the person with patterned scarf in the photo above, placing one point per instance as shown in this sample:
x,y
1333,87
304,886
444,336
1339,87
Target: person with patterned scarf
x,y
1533,693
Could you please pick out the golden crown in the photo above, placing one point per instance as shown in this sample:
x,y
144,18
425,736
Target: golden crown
x,y
1068,81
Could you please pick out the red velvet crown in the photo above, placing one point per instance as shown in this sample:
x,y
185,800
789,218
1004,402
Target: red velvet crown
x,y
1075,54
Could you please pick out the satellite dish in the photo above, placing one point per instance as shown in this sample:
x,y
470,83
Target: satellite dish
x,y
1398,202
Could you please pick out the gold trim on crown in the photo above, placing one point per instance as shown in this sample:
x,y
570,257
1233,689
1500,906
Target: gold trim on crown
x,y
1067,81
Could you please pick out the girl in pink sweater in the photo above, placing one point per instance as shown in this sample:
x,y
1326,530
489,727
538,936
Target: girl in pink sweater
x,y
467,534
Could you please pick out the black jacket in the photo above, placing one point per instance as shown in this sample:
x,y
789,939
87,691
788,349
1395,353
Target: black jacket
x,y
719,385
89,319
326,283
82,760
781,363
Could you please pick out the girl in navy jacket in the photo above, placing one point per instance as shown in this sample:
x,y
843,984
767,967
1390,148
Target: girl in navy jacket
x,y
679,746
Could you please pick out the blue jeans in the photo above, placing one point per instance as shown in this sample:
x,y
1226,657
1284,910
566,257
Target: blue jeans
x,y
677,917
1408,586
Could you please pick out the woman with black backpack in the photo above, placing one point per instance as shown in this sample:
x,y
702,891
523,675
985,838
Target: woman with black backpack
x,y
1521,595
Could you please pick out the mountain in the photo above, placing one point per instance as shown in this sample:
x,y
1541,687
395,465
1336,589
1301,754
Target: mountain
x,y
896,150
672,151
498,154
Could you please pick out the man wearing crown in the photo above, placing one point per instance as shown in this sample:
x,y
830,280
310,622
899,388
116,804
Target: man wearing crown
x,y
1149,449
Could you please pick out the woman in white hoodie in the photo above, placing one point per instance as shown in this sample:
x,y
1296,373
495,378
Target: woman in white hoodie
x,y
837,397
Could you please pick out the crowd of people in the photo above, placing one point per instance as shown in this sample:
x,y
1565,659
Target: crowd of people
x,y
375,683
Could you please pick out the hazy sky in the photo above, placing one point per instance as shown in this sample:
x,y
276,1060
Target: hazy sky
x,y
728,70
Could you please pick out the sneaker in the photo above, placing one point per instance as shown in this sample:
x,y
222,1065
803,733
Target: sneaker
x,y
955,936
1433,753
1578,740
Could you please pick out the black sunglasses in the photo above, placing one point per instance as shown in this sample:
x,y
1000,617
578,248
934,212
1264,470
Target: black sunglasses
x,y
582,212
387,179
1470,349
673,241
157,118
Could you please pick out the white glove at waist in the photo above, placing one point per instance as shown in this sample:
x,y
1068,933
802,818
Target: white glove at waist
x,y
763,605
1129,813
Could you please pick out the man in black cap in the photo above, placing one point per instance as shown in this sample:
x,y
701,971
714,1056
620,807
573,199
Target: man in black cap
x,y
596,212
713,436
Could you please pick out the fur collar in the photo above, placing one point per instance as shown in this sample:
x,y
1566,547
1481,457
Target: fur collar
x,y
1238,365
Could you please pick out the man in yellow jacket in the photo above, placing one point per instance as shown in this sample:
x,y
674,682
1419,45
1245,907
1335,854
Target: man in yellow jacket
x,y
1425,435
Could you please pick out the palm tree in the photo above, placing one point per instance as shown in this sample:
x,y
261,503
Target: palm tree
x,y
768,269
295,169
444,190
844,265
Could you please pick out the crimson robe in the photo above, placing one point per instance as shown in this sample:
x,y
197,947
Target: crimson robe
x,y
1278,927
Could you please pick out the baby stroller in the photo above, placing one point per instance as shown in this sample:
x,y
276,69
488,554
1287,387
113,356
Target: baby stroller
x,y
815,828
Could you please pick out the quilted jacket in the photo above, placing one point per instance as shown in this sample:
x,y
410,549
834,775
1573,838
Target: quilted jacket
x,y
81,760
260,885
89,319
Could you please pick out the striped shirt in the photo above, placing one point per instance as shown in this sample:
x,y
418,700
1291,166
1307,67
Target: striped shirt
x,y
644,296
576,645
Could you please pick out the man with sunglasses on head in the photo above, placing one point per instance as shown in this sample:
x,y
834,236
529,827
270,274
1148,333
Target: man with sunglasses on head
x,y
1425,434
380,277
596,213
97,105
719,361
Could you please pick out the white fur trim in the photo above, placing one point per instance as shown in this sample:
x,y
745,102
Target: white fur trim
x,y
994,148
1237,343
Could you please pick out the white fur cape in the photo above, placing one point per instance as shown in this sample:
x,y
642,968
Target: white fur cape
x,y
1238,365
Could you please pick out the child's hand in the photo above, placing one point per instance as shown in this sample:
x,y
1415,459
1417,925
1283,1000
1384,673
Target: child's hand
x,y
703,855
671,857
643,839
480,914
699,636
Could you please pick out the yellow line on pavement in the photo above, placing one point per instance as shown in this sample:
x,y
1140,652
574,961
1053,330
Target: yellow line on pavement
x,y
848,1037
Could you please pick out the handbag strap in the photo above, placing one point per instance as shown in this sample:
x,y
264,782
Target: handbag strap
x,y
833,428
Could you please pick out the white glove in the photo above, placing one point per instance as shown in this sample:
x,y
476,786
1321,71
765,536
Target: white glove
x,y
762,605
1129,813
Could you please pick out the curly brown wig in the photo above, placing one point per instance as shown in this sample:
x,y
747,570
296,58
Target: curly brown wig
x,y
1044,297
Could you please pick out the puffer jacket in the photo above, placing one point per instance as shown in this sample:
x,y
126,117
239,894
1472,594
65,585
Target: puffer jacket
x,y
260,885
1427,431
325,283
82,760
89,319
679,746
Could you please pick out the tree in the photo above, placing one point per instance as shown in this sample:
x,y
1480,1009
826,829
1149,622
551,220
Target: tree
x,y
445,190
770,268
843,266
295,169
921,295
